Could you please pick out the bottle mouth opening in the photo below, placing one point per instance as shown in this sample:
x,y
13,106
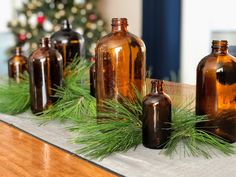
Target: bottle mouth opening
x,y
219,43
119,21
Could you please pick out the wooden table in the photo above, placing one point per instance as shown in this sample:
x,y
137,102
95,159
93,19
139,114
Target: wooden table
x,y
22,155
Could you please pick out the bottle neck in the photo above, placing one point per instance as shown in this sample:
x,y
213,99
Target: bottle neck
x,y
119,25
45,42
220,50
219,47
66,25
18,51
157,87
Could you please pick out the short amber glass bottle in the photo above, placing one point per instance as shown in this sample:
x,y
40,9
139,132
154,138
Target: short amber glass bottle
x,y
216,91
92,78
46,73
17,65
68,42
120,63
156,117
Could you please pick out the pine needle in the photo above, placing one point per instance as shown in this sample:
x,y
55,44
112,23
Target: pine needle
x,y
195,142
15,97
74,99
118,131
121,129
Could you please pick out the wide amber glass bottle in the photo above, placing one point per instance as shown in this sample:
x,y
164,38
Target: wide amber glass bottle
x,y
46,73
17,65
216,91
120,63
68,42
156,117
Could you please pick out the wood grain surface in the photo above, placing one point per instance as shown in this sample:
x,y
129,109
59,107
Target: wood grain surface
x,y
22,155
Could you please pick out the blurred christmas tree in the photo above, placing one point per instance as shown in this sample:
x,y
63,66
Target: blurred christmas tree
x,y
39,18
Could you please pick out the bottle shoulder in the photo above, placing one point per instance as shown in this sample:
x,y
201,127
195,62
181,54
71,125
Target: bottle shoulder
x,y
157,98
43,52
66,35
113,40
18,59
213,61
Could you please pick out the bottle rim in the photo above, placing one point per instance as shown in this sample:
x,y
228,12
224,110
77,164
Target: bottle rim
x,y
219,43
119,21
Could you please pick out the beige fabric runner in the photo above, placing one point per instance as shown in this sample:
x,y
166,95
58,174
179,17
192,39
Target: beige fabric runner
x,y
142,162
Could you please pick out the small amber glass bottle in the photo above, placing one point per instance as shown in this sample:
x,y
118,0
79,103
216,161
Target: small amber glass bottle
x,y
46,73
68,42
216,91
120,64
17,65
93,78
156,117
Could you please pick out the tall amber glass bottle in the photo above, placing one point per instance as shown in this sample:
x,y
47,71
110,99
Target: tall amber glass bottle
x,y
120,63
46,73
216,91
17,65
68,42
156,117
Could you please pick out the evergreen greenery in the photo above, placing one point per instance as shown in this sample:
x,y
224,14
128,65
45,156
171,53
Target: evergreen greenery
x,y
121,130
189,140
118,129
75,101
14,97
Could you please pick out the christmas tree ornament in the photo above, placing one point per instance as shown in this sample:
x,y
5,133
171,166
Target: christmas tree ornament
x,y
216,91
17,65
120,64
47,25
32,21
22,20
74,10
40,18
46,74
22,37
156,117
68,42
79,1
93,17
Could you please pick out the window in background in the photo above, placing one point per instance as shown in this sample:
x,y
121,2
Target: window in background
x,y
6,40
226,35
202,21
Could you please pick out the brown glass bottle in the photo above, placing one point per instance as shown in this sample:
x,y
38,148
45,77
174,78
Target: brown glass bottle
x,y
92,78
68,42
120,63
46,73
156,117
216,91
17,65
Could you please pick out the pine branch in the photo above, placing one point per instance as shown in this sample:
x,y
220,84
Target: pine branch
x,y
75,101
195,142
15,97
118,131
121,129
